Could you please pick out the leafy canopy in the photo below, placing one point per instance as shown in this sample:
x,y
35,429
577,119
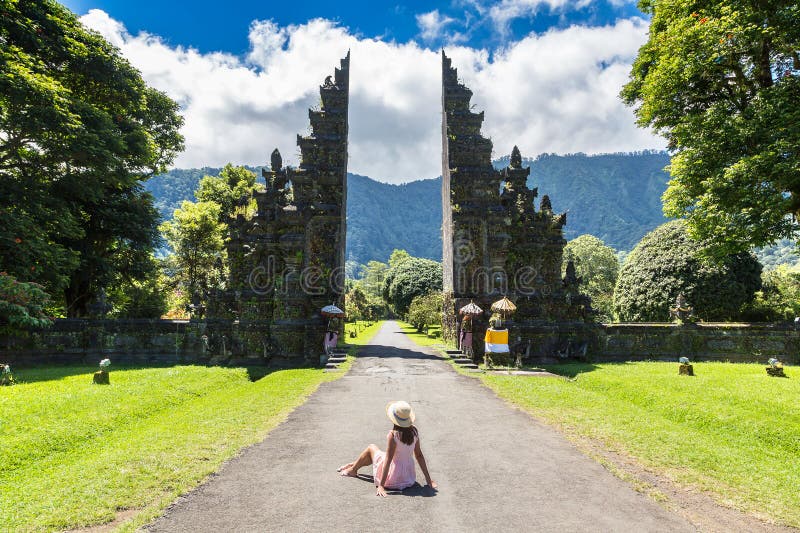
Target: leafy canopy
x,y
721,81
597,264
667,262
79,132
22,305
409,277
197,238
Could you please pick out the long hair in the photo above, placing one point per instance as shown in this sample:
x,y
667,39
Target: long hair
x,y
406,434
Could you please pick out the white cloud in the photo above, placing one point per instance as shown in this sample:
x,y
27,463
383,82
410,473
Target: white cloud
x,y
555,92
504,11
431,25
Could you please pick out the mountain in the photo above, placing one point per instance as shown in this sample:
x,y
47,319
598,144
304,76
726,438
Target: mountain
x,y
616,197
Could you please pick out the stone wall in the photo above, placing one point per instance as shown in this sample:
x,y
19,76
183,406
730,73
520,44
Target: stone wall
x,y
84,341
549,343
159,342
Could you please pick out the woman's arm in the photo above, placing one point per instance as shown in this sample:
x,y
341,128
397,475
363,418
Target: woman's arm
x,y
423,465
391,446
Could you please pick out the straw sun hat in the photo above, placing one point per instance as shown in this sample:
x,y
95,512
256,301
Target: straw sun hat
x,y
400,413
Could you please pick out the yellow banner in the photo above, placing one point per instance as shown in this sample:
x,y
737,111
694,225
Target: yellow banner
x,y
496,336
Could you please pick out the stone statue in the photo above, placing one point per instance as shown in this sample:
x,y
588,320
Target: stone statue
x,y
571,278
276,161
682,310
516,158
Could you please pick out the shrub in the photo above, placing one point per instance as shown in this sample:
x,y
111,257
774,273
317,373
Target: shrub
x,y
667,262
426,311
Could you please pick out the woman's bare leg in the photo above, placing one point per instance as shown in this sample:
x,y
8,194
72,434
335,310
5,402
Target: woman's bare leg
x,y
365,459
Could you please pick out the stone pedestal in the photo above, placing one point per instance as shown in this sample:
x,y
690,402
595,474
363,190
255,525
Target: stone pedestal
x,y
776,371
101,378
686,370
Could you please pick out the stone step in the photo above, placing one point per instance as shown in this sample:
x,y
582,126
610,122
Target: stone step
x,y
332,365
337,359
463,360
471,366
453,352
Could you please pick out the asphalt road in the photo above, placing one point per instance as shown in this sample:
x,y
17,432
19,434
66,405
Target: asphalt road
x,y
497,469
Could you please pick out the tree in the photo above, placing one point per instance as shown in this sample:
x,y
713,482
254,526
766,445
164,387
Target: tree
x,y
372,278
139,298
667,262
397,257
79,132
597,264
779,297
197,237
231,190
22,305
356,304
721,81
425,311
408,278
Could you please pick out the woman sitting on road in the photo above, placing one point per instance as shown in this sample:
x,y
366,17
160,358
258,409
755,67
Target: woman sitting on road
x,y
402,445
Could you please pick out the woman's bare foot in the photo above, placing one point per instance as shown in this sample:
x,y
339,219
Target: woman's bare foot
x,y
345,467
350,472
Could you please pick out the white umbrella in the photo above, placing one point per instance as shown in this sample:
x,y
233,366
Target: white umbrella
x,y
332,310
470,309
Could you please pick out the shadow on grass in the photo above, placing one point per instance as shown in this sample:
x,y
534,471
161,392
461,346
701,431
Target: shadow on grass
x,y
37,374
254,373
570,370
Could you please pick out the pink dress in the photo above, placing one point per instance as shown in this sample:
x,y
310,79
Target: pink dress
x,y
402,472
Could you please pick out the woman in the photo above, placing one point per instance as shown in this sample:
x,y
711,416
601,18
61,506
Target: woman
x,y
402,445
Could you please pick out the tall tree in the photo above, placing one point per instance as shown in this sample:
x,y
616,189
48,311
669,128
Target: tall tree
x,y
79,132
720,79
197,237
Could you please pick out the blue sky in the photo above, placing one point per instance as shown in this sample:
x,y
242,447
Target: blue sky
x,y
213,26
547,73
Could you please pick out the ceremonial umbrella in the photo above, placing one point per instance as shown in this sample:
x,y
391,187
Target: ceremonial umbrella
x,y
504,306
332,310
470,309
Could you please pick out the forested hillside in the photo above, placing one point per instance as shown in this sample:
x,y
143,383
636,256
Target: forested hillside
x,y
616,197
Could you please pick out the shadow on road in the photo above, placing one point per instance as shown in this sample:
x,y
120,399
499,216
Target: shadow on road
x,y
384,352
414,490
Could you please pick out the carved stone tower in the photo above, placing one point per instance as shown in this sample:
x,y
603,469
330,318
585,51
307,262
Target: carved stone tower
x,y
287,261
495,242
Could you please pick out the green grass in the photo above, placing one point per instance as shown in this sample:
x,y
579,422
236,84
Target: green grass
x,y
432,338
73,453
731,430
364,332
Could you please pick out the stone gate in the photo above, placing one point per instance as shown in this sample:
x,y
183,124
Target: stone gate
x,y
287,261
495,242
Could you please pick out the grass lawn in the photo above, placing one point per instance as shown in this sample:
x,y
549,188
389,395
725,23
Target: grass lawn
x,y
364,332
432,338
74,454
731,430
